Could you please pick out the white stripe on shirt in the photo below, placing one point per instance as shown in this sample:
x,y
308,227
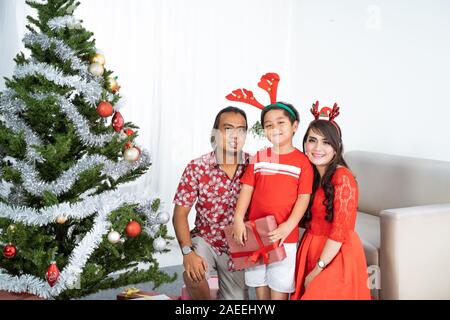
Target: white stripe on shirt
x,y
277,166
276,172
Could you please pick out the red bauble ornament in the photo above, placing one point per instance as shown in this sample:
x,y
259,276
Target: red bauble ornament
x,y
52,274
133,229
117,122
9,251
128,145
105,109
128,131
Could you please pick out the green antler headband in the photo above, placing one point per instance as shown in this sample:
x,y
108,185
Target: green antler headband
x,y
282,106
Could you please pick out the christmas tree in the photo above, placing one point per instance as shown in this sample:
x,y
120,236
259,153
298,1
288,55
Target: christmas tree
x,y
65,228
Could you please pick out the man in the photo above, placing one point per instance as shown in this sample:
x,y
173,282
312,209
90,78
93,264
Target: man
x,y
213,182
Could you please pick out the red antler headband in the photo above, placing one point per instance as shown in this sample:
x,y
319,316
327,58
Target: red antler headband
x,y
326,113
269,82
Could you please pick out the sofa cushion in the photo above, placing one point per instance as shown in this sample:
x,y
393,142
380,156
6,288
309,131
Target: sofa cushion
x,y
389,181
368,229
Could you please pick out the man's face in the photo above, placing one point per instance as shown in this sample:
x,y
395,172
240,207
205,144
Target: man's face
x,y
232,133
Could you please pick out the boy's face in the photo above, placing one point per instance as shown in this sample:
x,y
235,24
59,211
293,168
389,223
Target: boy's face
x,y
278,127
232,132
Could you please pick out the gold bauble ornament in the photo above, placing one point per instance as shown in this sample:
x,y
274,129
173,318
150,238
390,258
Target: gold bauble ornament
x,y
11,228
61,219
99,58
113,84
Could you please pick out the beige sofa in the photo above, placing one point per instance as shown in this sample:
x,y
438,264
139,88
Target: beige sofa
x,y
404,224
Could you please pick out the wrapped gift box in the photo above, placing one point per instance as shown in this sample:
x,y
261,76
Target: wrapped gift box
x,y
5,295
136,294
258,249
213,283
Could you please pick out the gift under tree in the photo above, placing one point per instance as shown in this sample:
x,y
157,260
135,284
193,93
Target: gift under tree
x,y
65,229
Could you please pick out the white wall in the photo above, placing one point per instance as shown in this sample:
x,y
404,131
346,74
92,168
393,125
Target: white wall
x,y
386,62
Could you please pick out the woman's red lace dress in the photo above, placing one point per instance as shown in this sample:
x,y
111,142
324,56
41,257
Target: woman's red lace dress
x,y
346,276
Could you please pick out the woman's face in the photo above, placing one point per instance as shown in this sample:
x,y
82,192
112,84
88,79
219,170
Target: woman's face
x,y
318,150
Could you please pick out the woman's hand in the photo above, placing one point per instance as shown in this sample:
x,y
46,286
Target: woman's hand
x,y
239,232
281,233
310,277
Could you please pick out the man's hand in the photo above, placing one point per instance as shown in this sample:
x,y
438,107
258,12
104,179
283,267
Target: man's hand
x,y
239,232
195,266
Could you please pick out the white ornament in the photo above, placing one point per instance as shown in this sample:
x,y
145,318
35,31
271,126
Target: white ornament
x,y
163,217
113,237
131,154
159,244
96,69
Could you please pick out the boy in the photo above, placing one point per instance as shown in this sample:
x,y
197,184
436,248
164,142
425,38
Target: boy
x,y
278,181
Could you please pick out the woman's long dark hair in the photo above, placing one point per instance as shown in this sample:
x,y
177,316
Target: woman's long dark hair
x,y
332,133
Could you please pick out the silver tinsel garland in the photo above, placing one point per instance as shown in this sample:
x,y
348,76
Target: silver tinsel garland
x,y
91,90
17,196
63,51
5,189
80,123
102,205
8,107
63,22
78,210
35,186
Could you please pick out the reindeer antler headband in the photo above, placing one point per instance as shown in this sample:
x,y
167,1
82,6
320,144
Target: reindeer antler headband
x,y
326,114
269,82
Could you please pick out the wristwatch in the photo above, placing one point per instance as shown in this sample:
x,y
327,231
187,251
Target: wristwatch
x,y
186,250
321,264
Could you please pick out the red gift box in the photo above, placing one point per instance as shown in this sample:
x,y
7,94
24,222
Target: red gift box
x,y
5,295
258,249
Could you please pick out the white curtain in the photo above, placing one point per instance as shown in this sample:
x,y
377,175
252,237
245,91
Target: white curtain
x,y
176,61
385,62
12,27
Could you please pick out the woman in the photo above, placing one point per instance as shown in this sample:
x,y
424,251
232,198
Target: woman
x,y
330,261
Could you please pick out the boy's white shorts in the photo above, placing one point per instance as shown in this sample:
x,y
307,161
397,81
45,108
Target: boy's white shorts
x,y
279,276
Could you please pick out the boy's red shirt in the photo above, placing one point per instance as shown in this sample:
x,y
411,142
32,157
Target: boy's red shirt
x,y
278,179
